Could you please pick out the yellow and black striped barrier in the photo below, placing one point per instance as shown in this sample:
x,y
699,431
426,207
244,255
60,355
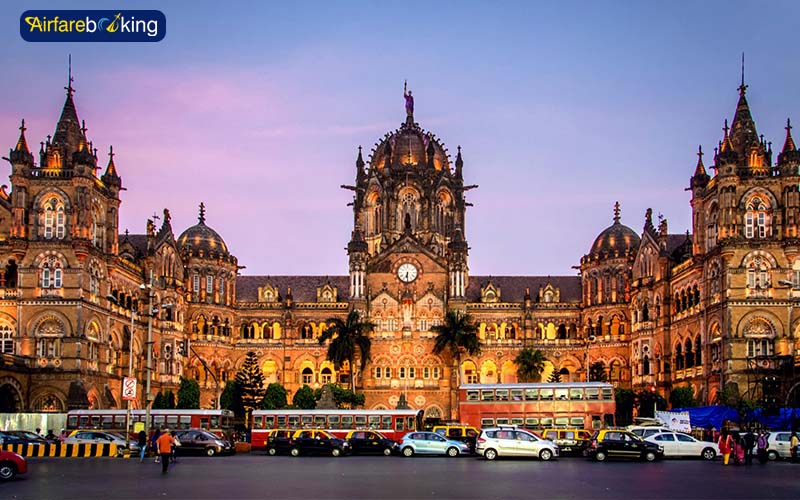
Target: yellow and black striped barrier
x,y
63,450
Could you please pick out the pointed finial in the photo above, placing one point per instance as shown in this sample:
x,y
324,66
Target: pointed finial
x,y
69,88
788,145
22,128
616,213
726,128
83,127
202,218
111,153
700,153
742,87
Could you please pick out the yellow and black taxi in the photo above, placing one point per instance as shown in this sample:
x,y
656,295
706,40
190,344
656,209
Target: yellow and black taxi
x,y
459,432
569,441
317,442
612,443
370,443
279,441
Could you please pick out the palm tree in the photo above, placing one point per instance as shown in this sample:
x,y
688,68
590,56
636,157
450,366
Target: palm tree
x,y
530,365
346,338
456,335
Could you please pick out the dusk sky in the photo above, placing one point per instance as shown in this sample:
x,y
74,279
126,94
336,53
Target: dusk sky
x,y
562,108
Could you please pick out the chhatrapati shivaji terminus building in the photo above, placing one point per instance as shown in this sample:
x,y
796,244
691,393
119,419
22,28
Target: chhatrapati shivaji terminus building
x,y
709,308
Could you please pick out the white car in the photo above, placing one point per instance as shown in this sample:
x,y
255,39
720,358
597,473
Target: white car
x,y
778,445
513,442
678,444
645,431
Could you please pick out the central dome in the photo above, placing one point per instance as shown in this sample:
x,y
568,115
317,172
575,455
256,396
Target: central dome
x,y
409,145
615,241
202,237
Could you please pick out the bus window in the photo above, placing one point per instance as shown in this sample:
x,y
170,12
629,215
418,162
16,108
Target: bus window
x,y
281,421
333,422
204,422
386,422
502,394
576,422
516,394
562,422
84,422
361,420
546,394
398,424
186,422
72,422
473,395
108,422
517,421
576,394
592,394
531,422
374,421
546,422
561,394
305,420
172,422
294,420
487,395
320,421
596,424
502,421
95,421
411,424
158,421
347,422
531,394
258,422
487,422
214,422
608,394
269,421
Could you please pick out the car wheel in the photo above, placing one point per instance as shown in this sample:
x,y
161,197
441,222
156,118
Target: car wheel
x,y
709,454
408,451
7,471
272,452
387,451
452,452
650,456
120,451
490,454
600,456
210,452
336,452
295,452
772,455
545,455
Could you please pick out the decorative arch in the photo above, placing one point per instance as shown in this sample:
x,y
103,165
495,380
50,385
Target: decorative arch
x,y
469,372
489,373
508,373
11,395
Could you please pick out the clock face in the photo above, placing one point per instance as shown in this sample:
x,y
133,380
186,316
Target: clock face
x,y
407,273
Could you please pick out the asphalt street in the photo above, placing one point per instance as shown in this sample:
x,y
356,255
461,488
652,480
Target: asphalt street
x,y
258,476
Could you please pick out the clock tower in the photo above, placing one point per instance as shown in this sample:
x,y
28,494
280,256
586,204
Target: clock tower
x,y
408,261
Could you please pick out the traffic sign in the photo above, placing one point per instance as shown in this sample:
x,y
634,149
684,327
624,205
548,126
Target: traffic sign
x,y
129,389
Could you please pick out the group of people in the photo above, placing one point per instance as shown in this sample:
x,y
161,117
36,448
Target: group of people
x,y
163,443
740,446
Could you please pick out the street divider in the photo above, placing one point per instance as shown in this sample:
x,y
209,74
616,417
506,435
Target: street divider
x,y
63,450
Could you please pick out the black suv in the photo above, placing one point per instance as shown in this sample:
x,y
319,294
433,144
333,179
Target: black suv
x,y
370,442
622,444
317,442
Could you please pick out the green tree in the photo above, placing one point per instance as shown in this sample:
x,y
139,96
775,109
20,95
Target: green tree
x,y
555,377
648,401
274,397
304,398
188,394
250,380
457,335
348,338
158,402
682,397
231,398
169,400
597,372
625,400
530,365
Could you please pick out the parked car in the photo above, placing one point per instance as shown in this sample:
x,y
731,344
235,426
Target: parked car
x,y
431,443
8,437
317,442
569,441
459,432
622,444
678,444
645,431
28,436
279,441
101,437
198,441
778,445
370,442
512,442
11,464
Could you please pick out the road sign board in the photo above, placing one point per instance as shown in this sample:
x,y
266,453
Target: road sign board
x,y
129,389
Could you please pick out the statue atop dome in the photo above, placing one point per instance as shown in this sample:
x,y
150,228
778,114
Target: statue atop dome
x,y
409,100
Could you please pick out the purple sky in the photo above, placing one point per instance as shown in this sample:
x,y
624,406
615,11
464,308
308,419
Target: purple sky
x,y
561,109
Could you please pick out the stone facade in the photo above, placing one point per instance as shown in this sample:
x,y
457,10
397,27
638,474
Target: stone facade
x,y
702,309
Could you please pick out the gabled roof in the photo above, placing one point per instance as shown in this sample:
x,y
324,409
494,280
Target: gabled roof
x,y
512,288
304,288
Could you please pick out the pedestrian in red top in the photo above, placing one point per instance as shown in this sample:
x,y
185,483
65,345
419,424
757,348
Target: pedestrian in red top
x,y
725,446
164,444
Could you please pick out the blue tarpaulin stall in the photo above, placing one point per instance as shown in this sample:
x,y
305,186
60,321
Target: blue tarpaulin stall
x,y
713,416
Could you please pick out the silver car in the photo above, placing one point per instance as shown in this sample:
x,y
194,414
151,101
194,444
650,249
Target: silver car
x,y
430,443
512,442
101,437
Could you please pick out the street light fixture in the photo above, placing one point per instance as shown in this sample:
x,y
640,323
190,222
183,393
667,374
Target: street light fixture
x,y
588,341
149,347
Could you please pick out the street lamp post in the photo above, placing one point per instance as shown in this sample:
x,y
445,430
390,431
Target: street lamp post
x,y
130,375
149,347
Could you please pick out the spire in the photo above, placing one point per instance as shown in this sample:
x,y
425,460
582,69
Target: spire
x,y
790,155
616,212
21,153
111,177
787,146
68,129
201,219
743,127
360,160
700,177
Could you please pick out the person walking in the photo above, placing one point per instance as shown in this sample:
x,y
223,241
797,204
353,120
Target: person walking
x,y
793,447
738,448
725,444
761,446
749,443
142,437
175,444
154,444
164,443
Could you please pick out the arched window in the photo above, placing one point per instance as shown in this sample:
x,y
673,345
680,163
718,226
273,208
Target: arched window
x,y
698,353
54,219
51,275
679,356
688,354
646,365
308,375
757,219
6,339
711,229
760,336
758,273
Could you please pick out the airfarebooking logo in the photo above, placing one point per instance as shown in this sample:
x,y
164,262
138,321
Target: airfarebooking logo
x,y
92,25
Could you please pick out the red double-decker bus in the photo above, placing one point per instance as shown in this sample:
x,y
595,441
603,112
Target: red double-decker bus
x,y
217,421
393,424
536,406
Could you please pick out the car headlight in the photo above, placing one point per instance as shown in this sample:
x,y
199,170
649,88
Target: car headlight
x,y
219,443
